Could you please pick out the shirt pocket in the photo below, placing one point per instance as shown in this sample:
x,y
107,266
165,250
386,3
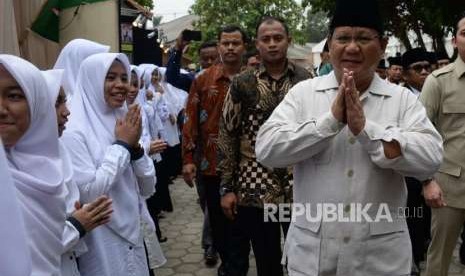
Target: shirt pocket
x,y
388,249
303,251
453,116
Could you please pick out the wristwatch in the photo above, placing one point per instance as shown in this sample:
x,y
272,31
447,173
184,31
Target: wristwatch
x,y
225,190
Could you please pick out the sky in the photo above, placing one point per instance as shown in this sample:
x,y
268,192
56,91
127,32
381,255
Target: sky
x,y
172,9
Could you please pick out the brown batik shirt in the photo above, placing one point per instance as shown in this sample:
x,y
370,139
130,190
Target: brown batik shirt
x,y
251,99
202,116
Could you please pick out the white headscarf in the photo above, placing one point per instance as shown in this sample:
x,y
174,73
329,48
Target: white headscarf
x,y
54,79
93,121
71,57
16,259
177,97
35,166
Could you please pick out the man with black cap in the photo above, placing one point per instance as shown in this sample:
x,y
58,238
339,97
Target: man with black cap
x,y
416,68
443,59
351,138
394,72
443,97
381,69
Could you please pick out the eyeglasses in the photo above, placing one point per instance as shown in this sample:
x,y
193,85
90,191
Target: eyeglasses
x,y
361,40
418,68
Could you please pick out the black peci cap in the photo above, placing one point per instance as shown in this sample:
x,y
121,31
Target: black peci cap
x,y
357,13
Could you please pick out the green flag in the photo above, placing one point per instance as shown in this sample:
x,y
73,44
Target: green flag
x,y
48,22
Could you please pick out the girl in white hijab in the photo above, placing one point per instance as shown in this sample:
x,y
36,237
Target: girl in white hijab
x,y
81,219
103,141
155,255
71,57
28,130
16,259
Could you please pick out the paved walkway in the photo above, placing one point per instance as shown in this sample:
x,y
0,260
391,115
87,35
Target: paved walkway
x,y
183,228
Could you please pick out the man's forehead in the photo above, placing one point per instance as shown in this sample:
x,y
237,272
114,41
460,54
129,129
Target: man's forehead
x,y
354,29
233,36
271,26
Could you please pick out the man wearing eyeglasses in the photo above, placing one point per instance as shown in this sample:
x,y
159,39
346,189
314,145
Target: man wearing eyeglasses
x,y
351,137
416,69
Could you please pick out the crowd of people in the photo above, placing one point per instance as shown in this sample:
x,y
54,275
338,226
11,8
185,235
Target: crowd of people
x,y
90,147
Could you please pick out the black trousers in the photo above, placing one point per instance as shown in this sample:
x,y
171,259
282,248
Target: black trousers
x,y
248,228
161,200
418,220
220,225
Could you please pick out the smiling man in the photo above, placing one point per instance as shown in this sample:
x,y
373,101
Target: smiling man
x,y
246,184
351,137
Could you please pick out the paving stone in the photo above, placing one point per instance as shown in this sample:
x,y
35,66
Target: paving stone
x,y
183,227
175,253
187,268
164,271
192,258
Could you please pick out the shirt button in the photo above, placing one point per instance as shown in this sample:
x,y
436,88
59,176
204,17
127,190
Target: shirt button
x,y
70,257
352,140
130,247
346,239
347,208
350,173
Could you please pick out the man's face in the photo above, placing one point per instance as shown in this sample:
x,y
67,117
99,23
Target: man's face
x,y
253,62
443,62
395,73
416,74
231,47
357,49
381,72
272,42
459,39
14,109
208,57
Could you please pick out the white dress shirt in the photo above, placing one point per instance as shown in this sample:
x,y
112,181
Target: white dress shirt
x,y
331,165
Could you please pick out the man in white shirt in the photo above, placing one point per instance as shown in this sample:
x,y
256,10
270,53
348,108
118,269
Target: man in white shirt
x,y
352,138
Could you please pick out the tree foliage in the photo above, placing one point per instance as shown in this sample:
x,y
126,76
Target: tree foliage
x,y
317,25
213,14
146,3
432,17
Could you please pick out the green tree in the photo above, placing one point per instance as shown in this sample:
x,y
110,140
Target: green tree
x,y
146,3
317,25
432,17
213,14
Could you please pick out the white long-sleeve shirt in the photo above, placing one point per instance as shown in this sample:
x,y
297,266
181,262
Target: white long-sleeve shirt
x,y
331,165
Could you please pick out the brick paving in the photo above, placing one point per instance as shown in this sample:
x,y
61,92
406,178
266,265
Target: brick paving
x,y
183,228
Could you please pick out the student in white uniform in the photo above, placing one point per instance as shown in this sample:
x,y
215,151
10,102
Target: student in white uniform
x,y
71,57
29,133
16,260
103,141
81,219
152,147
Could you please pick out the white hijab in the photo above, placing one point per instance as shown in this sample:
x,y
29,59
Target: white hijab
x,y
93,121
16,259
177,97
54,79
35,166
71,57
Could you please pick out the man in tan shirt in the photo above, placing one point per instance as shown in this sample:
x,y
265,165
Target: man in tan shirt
x,y
444,99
